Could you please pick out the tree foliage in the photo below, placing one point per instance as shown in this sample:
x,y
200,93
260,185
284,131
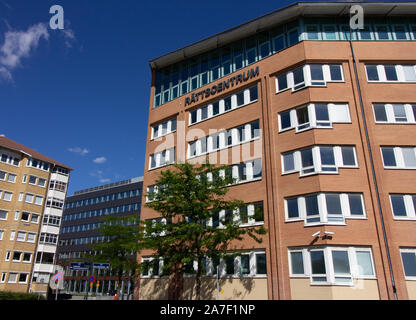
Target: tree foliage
x,y
189,199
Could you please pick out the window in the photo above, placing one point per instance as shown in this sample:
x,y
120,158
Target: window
x,y
324,208
23,277
391,73
403,206
21,236
29,198
52,202
409,263
58,185
382,33
7,196
163,128
330,32
313,115
331,265
11,178
309,75
12,277
399,32
3,215
25,216
319,159
372,73
162,158
399,157
224,139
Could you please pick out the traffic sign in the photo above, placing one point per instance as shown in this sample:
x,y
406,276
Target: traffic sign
x,y
101,265
92,279
79,265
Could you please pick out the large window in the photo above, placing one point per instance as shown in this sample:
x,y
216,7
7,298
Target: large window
x,y
164,128
319,159
314,115
324,208
399,157
331,265
237,100
162,158
409,263
309,75
391,73
403,206
398,113
224,139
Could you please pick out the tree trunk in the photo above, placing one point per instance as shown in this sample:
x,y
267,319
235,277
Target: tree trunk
x,y
175,290
198,279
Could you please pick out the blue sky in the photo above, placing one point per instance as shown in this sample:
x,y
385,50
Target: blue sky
x,y
81,95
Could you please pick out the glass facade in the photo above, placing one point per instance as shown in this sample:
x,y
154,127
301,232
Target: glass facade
x,y
179,79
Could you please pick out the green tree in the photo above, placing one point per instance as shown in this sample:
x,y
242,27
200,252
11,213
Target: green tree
x,y
120,246
187,197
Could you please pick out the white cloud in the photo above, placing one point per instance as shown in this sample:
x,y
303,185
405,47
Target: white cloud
x,y
18,45
104,180
81,151
100,160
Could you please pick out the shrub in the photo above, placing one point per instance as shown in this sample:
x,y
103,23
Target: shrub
x,y
7,295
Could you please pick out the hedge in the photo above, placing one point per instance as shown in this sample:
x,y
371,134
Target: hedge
x,y
6,295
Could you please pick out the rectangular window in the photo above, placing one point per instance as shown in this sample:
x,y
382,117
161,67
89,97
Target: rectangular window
x,y
261,266
389,159
380,112
409,73
7,196
391,73
330,33
298,78
318,267
245,264
335,72
356,205
372,73
409,263
292,208
317,75
285,121
296,263
11,178
282,82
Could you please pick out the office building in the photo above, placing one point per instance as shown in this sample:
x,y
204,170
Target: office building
x,y
319,131
82,218
32,194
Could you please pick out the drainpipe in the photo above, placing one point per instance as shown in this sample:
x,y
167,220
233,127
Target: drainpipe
x,y
393,283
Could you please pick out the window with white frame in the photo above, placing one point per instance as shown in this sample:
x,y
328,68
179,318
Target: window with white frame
x,y
391,73
58,185
224,139
162,158
6,195
163,128
399,157
324,208
409,262
152,267
53,202
3,215
403,206
331,265
237,100
251,214
48,238
309,75
319,160
314,115
394,113
12,277
3,175
11,178
9,159
21,236
38,164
